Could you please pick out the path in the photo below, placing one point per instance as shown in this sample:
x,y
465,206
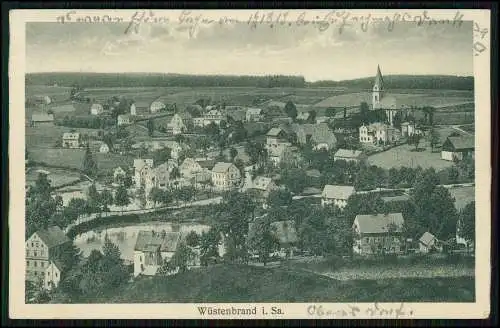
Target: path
x,y
94,216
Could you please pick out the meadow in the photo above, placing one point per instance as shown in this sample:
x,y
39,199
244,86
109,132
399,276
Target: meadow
x,y
57,177
463,195
47,137
239,283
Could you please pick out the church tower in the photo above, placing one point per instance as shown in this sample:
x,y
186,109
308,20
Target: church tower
x,y
378,89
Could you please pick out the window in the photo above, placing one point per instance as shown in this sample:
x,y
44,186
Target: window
x,y
28,263
35,263
32,244
56,274
35,254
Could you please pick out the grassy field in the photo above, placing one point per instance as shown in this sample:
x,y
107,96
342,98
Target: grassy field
x,y
57,177
73,158
48,136
257,284
405,156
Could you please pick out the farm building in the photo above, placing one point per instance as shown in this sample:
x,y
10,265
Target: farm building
x,y
319,135
193,166
458,148
336,195
152,249
378,234
96,109
53,275
41,119
348,155
71,140
253,115
409,128
212,116
263,185
124,119
156,106
276,143
179,123
46,100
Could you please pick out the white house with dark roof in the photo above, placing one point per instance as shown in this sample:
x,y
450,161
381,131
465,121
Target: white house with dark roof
x,y
348,155
124,119
458,148
378,234
156,106
225,176
52,275
71,140
42,247
152,249
428,242
336,195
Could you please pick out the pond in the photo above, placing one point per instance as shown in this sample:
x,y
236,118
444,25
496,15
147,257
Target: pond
x,y
125,237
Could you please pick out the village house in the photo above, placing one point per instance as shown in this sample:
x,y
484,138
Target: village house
x,y
71,140
276,143
303,116
156,106
45,100
428,243
96,109
264,186
236,114
376,133
143,173
42,119
192,166
53,275
43,247
225,176
254,115
319,135
336,195
152,249
155,145
349,155
409,128
104,148
179,123
287,237
378,234
458,148
212,116
162,174
124,119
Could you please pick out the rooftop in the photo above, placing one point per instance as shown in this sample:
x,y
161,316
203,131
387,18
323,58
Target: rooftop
x,y
338,192
52,236
379,223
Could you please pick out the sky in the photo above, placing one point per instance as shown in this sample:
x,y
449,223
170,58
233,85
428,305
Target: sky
x,y
238,49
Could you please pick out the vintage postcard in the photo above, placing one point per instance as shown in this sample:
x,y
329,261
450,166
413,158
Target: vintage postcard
x,y
276,164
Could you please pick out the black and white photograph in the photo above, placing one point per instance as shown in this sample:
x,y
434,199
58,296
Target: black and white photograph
x,y
277,157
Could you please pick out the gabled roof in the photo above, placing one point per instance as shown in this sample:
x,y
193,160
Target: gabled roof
x,y
348,153
52,236
254,111
237,114
261,183
427,238
206,163
139,163
221,167
42,117
285,231
274,132
58,265
460,143
338,192
154,241
379,223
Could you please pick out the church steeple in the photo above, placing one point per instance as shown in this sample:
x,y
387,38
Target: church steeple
x,y
378,89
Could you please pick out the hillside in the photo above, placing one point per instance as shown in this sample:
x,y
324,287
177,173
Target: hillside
x,y
86,80
440,82
258,284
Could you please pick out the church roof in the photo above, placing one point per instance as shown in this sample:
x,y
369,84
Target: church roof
x,y
378,79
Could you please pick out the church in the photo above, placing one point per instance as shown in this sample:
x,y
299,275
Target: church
x,y
382,100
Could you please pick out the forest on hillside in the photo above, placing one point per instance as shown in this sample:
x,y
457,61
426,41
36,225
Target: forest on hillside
x,y
89,80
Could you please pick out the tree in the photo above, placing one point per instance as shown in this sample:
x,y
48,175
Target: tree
x,y
121,196
312,233
209,242
279,198
295,180
363,110
416,140
256,151
467,222
74,209
89,165
433,138
453,174
161,156
291,109
106,199
93,199
151,127
233,153
40,206
312,116
156,195
141,196
192,239
181,259
261,238
330,112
